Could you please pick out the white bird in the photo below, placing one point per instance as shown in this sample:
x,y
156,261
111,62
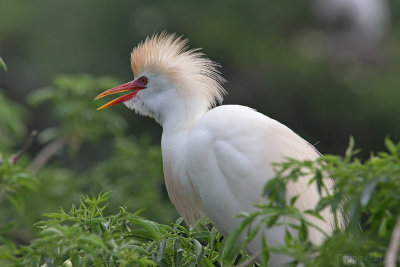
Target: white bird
x,y
216,160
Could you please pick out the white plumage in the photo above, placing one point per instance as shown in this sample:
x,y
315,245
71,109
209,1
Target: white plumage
x,y
216,161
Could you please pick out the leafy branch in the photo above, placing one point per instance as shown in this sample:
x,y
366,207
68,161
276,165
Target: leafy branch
x,y
84,236
365,193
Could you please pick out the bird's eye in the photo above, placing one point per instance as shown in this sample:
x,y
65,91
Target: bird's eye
x,y
144,79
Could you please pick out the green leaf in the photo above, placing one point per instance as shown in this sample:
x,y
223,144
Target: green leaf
x,y
367,191
178,222
27,181
293,200
177,253
92,239
288,237
318,178
303,231
199,250
251,234
350,150
207,262
391,147
272,220
315,214
231,248
160,251
149,226
213,234
3,64
264,252
354,214
53,231
383,227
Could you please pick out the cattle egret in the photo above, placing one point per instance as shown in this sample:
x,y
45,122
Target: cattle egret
x,y
216,160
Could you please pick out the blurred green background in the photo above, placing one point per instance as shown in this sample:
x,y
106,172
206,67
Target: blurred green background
x,y
328,71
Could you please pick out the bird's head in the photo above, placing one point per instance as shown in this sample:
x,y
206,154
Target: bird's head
x,y
169,79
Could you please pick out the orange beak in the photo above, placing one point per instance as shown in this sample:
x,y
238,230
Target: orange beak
x,y
134,86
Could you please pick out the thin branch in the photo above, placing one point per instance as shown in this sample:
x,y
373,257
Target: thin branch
x,y
46,154
14,158
392,252
250,260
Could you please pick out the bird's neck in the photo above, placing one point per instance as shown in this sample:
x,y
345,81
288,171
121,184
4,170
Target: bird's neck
x,y
174,150
181,118
177,121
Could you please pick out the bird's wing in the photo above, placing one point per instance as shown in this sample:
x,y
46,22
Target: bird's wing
x,y
229,156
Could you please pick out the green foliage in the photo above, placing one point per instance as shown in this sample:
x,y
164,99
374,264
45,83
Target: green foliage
x,y
12,128
72,100
365,195
15,181
366,192
85,237
101,160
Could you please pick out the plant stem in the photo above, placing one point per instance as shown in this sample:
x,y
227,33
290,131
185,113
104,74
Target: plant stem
x,y
14,158
250,260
